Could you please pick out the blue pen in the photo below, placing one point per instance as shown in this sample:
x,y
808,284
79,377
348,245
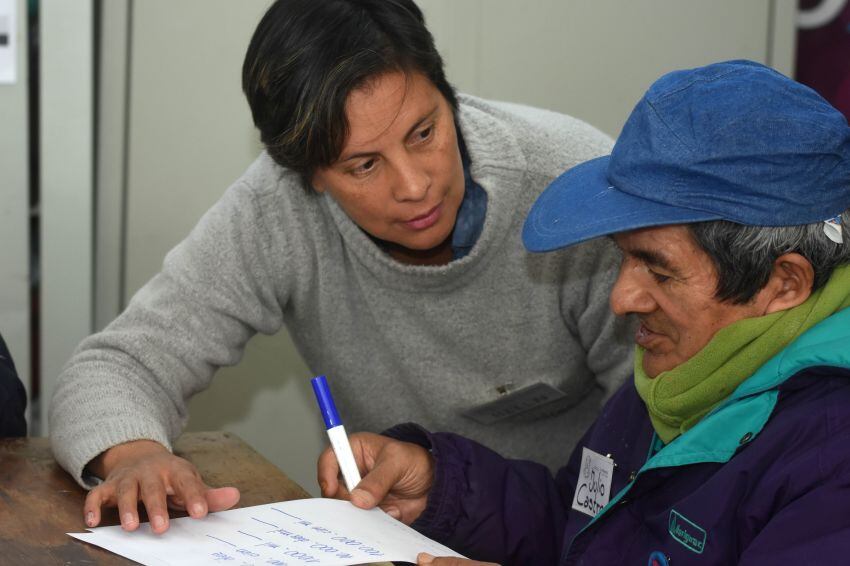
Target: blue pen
x,y
336,432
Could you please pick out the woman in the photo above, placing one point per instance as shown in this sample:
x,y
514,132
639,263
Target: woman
x,y
382,227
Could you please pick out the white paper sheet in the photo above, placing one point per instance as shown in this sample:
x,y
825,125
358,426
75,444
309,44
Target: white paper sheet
x,y
320,532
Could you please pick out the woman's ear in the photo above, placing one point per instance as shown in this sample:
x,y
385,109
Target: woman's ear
x,y
790,283
318,182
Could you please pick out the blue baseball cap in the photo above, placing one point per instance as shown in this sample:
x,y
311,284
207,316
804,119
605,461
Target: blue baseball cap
x,y
735,141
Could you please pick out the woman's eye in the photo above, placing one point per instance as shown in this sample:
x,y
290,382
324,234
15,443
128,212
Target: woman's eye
x,y
423,135
364,167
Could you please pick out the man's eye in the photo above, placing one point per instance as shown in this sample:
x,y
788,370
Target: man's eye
x,y
659,277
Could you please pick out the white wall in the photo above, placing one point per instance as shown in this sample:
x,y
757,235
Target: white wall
x,y
14,208
110,162
67,180
190,133
594,59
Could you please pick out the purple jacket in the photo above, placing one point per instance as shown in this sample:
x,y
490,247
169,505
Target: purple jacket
x,y
762,479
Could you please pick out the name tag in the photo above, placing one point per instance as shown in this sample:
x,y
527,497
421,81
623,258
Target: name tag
x,y
593,489
516,402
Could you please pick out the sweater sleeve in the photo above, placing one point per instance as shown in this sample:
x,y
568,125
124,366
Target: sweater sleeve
x,y
607,339
133,380
488,507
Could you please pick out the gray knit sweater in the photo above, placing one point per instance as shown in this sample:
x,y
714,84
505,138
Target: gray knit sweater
x,y
399,342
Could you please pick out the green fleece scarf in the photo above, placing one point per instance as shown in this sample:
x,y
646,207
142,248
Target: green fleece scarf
x,y
679,398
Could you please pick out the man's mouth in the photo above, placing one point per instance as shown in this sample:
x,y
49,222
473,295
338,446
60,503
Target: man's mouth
x,y
644,336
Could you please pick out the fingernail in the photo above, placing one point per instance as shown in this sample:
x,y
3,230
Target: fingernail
x,y
158,522
424,558
393,512
323,486
362,498
90,518
197,510
127,520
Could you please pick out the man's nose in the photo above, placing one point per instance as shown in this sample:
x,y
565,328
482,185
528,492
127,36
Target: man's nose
x,y
630,294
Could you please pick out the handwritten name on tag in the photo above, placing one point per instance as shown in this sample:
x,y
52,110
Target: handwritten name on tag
x,y
593,489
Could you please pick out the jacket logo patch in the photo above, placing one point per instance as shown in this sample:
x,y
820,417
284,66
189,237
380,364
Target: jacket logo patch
x,y
687,533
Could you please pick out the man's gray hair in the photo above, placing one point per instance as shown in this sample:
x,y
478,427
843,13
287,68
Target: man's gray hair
x,y
744,255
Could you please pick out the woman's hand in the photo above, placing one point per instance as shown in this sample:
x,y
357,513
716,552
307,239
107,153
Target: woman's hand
x,y
427,560
144,470
397,476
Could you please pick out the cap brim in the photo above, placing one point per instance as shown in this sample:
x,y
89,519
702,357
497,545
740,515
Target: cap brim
x,y
581,204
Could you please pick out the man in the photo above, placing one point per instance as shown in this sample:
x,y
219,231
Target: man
x,y
728,194
13,397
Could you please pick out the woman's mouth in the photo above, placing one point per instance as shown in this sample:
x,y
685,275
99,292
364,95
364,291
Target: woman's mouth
x,y
425,220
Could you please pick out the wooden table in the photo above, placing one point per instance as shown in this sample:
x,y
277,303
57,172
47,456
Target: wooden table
x,y
39,502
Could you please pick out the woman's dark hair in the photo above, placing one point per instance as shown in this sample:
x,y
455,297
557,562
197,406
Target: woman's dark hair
x,y
306,56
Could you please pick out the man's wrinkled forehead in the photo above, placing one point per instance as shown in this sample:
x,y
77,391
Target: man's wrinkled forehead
x,y
655,246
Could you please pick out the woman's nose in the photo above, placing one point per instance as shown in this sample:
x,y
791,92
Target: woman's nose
x,y
412,182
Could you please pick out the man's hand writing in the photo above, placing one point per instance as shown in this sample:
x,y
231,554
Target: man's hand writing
x,y
397,476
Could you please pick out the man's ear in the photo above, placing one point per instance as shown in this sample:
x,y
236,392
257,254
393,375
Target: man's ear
x,y
790,283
